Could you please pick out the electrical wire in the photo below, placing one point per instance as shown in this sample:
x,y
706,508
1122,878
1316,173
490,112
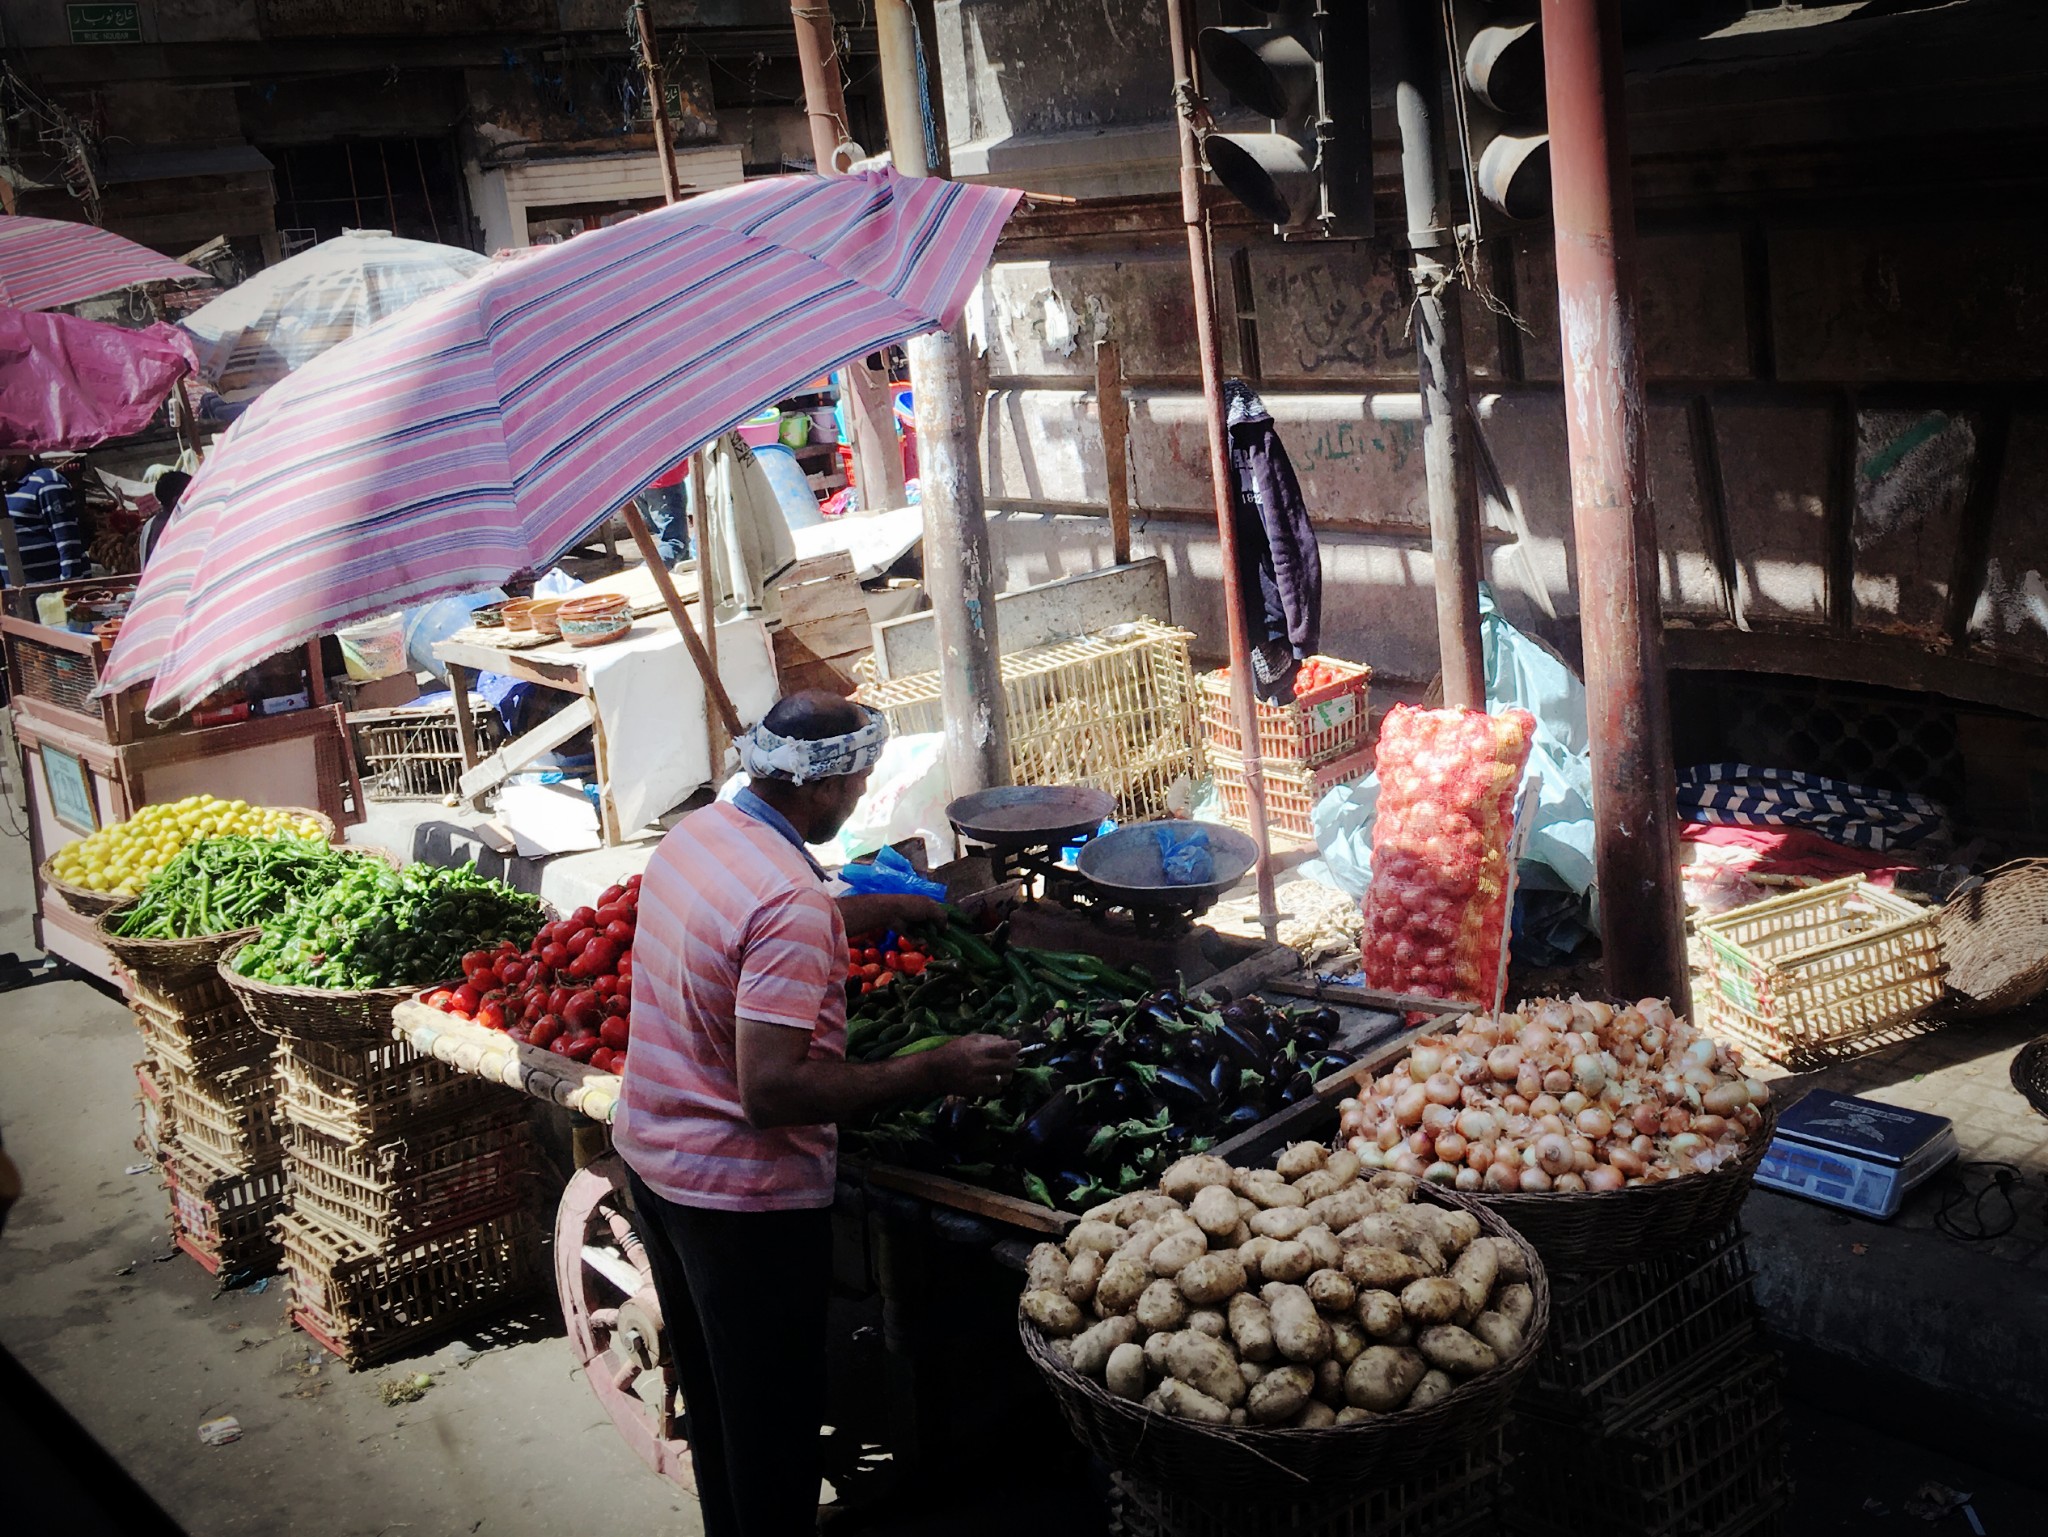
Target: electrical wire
x,y
1973,1225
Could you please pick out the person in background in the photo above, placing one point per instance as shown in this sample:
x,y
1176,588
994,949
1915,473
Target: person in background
x,y
664,503
737,1078
170,486
44,511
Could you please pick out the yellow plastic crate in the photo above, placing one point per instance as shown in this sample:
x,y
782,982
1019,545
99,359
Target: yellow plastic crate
x,y
1820,974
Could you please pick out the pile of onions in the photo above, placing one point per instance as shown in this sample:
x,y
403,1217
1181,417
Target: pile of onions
x,y
1559,1096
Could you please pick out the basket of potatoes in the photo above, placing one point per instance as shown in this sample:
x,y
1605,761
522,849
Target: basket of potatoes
x,y
1312,1325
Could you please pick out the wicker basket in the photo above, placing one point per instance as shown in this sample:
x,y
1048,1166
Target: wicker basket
x,y
2030,1073
167,967
360,1093
1994,939
334,1014
154,1137
1243,1463
452,1175
1822,973
91,904
203,1043
1598,1230
222,1217
368,1305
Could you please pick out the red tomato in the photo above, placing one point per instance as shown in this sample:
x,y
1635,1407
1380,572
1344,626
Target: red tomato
x,y
475,961
610,894
614,1033
582,917
583,1012
618,1007
619,932
579,941
492,1014
462,1014
603,986
602,1060
559,1045
581,1047
599,956
467,997
546,1030
913,964
511,970
531,1010
554,955
518,1033
632,883
558,999
607,915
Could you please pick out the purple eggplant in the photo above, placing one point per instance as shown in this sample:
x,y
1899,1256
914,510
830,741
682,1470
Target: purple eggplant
x,y
1182,1091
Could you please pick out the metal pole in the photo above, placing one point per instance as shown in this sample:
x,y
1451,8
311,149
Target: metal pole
x,y
1642,925
664,140
959,567
1440,356
877,458
1201,261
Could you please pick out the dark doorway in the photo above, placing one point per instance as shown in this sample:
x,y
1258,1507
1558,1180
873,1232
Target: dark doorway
x,y
410,186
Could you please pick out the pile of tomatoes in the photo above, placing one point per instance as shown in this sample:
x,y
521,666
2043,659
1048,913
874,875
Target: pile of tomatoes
x,y
570,991
874,960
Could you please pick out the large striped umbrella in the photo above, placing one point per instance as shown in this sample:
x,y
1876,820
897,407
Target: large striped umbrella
x,y
47,263
486,428
287,315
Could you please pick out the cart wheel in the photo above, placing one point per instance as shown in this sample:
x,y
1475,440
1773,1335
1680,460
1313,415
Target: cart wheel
x,y
614,1320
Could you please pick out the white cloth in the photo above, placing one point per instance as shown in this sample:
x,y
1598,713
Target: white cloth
x,y
876,541
766,755
748,548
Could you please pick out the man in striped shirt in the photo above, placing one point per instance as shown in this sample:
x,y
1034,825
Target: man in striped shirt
x,y
737,1076
44,511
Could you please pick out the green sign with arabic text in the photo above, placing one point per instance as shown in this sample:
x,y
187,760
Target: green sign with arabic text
x,y
105,23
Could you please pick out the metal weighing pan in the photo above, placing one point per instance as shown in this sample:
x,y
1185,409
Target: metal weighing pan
x,y
1125,866
1029,816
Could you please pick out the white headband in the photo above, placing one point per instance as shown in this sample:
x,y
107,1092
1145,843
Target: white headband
x,y
765,755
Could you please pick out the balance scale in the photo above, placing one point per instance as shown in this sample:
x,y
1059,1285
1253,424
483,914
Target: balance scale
x,y
1857,1154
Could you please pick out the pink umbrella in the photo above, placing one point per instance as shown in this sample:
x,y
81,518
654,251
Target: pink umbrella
x,y
67,383
485,428
48,263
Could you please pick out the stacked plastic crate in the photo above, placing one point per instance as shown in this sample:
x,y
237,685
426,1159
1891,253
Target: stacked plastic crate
x,y
1653,1410
1307,748
410,1211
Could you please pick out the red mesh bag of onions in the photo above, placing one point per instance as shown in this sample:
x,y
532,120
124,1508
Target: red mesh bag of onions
x,y
1434,914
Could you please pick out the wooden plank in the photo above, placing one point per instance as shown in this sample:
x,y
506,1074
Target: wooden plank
x,y
850,634
1253,972
508,760
1371,998
972,1199
821,602
818,568
1115,413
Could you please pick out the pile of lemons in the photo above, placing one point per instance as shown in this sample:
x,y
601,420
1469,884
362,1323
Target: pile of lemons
x,y
119,858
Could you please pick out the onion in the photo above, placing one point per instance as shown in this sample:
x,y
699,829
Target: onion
x,y
1570,1184
1479,1156
1437,1119
1360,1147
1503,1176
1699,1053
1595,1013
1712,1127
1420,1143
1554,1015
1514,1104
1550,1125
1409,1104
1441,1089
1475,1125
1687,1143
1469,1179
1528,1081
1557,1081
1425,1059
1626,1162
1535,1040
1450,1147
1759,1091
1573,1103
1534,1181
1602,1177
1544,1104
1553,1154
1595,1123
1504,1062
1441,1174
1388,1136
1407,1163
1589,1073
1644,1117
1676,1120
1370,1157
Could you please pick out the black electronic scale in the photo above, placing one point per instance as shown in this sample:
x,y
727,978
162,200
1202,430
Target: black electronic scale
x,y
1856,1154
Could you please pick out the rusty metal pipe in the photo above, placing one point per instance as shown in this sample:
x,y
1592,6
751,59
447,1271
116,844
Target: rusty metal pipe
x,y
1642,923
1454,547
1201,262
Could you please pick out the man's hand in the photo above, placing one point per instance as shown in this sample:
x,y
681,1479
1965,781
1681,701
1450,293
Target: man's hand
x,y
865,912
974,1065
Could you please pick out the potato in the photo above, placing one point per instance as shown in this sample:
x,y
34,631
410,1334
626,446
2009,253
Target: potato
x,y
1315,1416
1183,1179
1083,1276
1209,1321
1046,1269
1432,1300
1064,1349
1252,1255
1153,1401
1123,1280
1145,1206
1380,1269
1382,1378
1161,1306
1111,1211
1242,1180
1251,1326
1287,1262
1473,1274
1214,1209
1167,1223
1455,1350
1279,1395
1330,1381
1124,1373
1139,1242
1155,1354
1347,1341
1498,1333
1106,1236
1322,1246
1515,1303
1351,1414
1175,1254
1379,1314
1401,1186
1237,1418
1183,1402
1301,1158
1299,1332
1456,1230
1206,1365
1331,1291
1092,1346
1320,1184
1509,1259
1435,1384
1337,1212
1239,1237
1274,1194
1344,1164
1212,1279
1252,1372
1281,1222
1052,1312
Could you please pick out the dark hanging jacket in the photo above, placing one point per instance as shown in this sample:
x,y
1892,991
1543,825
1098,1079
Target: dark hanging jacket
x,y
1279,567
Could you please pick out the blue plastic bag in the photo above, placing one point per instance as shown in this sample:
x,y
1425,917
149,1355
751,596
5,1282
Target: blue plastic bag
x,y
890,872
1184,855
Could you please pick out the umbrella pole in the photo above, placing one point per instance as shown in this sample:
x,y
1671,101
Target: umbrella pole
x,y
714,689
1201,260
664,141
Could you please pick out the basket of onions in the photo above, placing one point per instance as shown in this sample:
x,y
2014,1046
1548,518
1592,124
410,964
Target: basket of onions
x,y
1601,1133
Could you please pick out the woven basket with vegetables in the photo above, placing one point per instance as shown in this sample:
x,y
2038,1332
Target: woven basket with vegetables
x,y
97,872
1312,1326
336,962
1600,1132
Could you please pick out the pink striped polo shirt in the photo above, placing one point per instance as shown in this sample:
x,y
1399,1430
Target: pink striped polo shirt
x,y
732,922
